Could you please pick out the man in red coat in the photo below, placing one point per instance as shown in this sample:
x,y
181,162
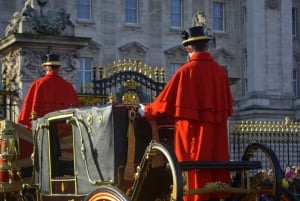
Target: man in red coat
x,y
48,94
199,100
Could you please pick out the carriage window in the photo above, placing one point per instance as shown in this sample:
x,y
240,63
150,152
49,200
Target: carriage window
x,y
61,149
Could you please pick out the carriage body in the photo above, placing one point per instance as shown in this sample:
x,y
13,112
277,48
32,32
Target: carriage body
x,y
79,149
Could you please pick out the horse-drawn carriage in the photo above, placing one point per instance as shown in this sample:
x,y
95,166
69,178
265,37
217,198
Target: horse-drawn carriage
x,y
110,153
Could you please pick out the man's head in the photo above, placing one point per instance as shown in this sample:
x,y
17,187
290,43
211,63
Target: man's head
x,y
51,61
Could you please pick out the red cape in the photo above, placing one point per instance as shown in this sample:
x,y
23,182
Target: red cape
x,y
47,94
199,90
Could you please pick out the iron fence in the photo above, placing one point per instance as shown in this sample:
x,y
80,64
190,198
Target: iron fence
x,y
282,137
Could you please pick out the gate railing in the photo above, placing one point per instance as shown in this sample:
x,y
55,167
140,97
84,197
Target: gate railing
x,y
127,81
283,137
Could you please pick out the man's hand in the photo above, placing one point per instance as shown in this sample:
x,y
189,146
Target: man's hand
x,y
141,110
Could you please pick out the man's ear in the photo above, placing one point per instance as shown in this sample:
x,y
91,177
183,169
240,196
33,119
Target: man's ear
x,y
189,49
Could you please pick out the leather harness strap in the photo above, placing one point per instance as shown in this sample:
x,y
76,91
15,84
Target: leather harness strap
x,y
129,168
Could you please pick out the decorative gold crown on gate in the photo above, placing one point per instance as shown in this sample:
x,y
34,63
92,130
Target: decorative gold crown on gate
x,y
131,84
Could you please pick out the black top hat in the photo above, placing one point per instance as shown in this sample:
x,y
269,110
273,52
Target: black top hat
x,y
195,34
51,60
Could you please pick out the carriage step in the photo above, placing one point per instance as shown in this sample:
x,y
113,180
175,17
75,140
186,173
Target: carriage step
x,y
232,165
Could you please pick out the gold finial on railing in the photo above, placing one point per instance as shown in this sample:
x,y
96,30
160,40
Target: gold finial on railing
x,y
286,126
162,75
145,69
130,66
140,67
109,70
287,121
135,66
124,65
101,72
94,68
150,72
156,74
119,66
114,68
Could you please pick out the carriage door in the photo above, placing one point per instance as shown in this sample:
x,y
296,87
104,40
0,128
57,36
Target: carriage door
x,y
61,157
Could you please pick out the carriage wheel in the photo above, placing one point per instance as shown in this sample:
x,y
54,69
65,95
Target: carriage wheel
x,y
275,190
173,165
106,193
154,187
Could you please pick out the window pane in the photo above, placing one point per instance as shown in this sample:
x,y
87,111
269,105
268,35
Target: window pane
x,y
176,14
218,19
131,11
84,9
84,76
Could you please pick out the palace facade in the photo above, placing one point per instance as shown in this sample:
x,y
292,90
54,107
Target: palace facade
x,y
257,42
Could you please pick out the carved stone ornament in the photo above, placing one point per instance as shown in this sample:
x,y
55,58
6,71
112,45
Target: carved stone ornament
x,y
11,70
44,21
199,19
272,4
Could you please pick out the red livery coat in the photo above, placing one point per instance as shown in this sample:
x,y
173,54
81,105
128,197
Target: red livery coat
x,y
199,100
47,94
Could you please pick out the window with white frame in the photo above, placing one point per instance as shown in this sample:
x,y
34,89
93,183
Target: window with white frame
x,y
176,14
294,21
173,68
295,82
84,84
84,9
131,11
218,17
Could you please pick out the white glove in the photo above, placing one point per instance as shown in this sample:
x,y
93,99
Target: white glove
x,y
141,110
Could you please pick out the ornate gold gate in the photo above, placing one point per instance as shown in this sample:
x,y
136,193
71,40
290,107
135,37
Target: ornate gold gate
x,y
127,81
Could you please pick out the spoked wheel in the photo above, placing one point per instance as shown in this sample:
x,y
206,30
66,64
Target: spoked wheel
x,y
273,190
107,193
160,176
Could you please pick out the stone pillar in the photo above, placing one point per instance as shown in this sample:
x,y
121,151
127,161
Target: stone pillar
x,y
256,49
269,60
